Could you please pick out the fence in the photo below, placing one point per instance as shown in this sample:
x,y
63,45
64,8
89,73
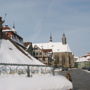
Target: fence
x,y
27,69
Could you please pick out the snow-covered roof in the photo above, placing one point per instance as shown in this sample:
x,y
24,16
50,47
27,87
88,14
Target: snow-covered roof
x,y
8,30
81,59
55,46
88,57
9,53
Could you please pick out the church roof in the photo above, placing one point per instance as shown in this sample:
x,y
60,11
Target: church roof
x,y
55,46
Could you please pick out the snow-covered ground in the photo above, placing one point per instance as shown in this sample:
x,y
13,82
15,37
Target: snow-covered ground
x,y
43,82
87,71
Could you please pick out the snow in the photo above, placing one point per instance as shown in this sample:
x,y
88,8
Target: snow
x,y
81,59
87,71
10,80
11,29
10,54
88,57
46,82
55,46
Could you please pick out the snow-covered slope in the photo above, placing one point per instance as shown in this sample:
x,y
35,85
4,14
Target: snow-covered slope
x,y
9,53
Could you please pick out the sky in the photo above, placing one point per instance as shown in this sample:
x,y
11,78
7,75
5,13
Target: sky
x,y
35,19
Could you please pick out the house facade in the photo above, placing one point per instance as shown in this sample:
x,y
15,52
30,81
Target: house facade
x,y
44,55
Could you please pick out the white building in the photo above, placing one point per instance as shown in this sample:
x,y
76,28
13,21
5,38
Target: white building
x,y
83,62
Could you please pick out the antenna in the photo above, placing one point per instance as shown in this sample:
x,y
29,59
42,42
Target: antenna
x,y
5,16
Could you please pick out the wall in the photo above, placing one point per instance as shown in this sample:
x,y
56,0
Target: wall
x,y
65,59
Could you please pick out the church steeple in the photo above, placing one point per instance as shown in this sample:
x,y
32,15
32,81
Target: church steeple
x,y
50,38
64,39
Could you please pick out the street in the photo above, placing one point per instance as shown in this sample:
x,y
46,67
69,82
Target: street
x,y
80,79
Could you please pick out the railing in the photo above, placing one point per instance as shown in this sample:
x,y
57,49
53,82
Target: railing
x,y
27,69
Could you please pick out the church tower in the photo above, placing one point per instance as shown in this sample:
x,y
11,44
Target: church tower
x,y
50,38
64,39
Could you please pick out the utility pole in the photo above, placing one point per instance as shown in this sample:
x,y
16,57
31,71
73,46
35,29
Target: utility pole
x,y
1,26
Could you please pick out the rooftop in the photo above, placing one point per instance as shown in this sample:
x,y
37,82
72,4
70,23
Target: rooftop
x,y
55,46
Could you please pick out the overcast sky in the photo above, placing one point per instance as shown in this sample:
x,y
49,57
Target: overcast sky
x,y
36,19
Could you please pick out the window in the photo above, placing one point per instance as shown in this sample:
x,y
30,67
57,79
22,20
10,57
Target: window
x,y
36,53
40,53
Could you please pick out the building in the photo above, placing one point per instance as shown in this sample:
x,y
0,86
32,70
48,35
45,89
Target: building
x,y
29,47
87,56
83,61
44,55
7,32
10,33
57,53
12,50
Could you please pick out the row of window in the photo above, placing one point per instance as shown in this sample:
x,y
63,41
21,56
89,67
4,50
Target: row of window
x,y
38,53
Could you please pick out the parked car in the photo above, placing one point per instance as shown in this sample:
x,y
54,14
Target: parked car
x,y
88,68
